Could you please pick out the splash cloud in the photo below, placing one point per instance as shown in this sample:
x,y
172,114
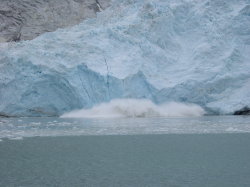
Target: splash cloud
x,y
120,108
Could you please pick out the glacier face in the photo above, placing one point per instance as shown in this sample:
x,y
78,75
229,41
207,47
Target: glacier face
x,y
192,51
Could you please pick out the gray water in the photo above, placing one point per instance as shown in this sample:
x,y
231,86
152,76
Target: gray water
x,y
205,151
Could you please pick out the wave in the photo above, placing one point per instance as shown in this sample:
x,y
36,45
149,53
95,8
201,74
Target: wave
x,y
133,108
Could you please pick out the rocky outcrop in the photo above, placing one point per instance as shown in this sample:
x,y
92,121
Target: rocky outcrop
x,y
27,19
243,111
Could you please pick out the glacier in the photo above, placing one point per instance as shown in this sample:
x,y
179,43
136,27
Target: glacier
x,y
188,51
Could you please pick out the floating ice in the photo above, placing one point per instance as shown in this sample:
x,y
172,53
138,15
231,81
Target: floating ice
x,y
29,127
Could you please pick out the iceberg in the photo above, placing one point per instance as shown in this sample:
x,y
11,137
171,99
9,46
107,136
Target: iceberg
x,y
188,51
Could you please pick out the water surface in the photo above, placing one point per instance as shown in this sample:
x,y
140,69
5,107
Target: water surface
x,y
17,128
141,152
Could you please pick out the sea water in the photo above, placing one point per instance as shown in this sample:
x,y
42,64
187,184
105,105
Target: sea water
x,y
18,128
188,151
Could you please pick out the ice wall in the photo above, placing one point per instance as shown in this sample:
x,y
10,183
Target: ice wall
x,y
191,51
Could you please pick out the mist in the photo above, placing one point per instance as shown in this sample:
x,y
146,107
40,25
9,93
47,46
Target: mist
x,y
135,108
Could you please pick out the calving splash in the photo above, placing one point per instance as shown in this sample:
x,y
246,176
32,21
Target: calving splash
x,y
137,108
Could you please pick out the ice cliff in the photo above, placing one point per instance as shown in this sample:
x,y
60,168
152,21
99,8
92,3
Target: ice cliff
x,y
190,51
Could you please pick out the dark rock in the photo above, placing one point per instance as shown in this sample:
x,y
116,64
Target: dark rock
x,y
243,111
27,19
